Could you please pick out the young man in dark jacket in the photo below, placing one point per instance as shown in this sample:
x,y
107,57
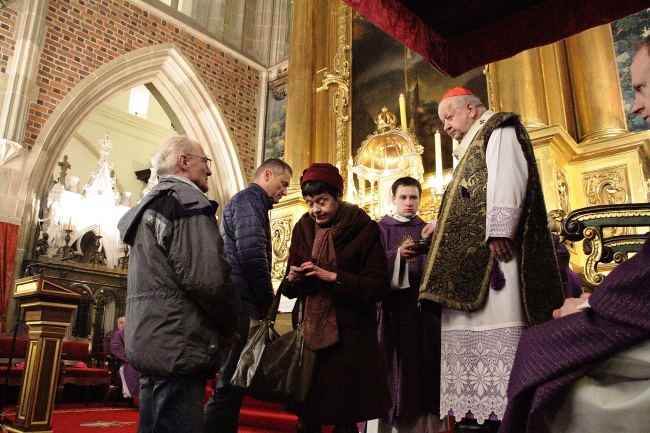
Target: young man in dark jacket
x,y
246,232
181,306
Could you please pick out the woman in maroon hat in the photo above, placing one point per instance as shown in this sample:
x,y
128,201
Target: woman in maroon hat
x,y
338,266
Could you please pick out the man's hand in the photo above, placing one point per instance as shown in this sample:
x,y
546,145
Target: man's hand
x,y
407,250
570,306
229,342
428,229
501,249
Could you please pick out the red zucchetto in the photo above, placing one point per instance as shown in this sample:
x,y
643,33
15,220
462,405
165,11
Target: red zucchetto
x,y
456,91
324,172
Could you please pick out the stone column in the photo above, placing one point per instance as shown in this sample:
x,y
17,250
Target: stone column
x,y
22,70
596,85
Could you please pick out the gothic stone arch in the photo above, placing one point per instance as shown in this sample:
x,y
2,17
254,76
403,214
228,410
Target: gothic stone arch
x,y
189,104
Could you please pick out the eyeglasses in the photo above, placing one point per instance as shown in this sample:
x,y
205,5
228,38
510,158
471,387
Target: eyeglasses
x,y
207,161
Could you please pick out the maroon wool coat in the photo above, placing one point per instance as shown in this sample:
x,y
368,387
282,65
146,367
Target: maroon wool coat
x,y
350,382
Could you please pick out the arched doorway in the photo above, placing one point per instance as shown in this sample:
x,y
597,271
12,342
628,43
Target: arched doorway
x,y
179,88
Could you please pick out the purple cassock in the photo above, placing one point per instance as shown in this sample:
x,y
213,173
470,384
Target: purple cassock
x,y
551,357
570,280
106,341
409,338
131,376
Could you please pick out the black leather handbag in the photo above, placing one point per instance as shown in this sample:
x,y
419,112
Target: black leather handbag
x,y
273,367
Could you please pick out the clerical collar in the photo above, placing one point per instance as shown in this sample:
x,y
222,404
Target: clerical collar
x,y
403,219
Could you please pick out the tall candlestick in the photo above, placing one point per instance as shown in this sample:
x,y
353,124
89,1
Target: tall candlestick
x,y
402,111
438,160
455,145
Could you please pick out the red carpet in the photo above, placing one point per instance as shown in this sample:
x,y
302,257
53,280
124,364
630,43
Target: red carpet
x,y
255,417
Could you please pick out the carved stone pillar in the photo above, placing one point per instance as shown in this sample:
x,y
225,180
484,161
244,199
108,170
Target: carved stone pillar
x,y
22,69
595,83
519,87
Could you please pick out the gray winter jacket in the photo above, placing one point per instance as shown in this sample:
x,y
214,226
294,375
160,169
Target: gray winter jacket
x,y
180,300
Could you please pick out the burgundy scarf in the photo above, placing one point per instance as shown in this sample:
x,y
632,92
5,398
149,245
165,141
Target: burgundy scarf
x,y
319,327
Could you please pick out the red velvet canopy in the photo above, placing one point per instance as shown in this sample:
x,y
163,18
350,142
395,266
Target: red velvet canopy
x,y
458,35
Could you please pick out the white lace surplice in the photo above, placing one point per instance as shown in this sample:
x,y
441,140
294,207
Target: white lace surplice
x,y
478,347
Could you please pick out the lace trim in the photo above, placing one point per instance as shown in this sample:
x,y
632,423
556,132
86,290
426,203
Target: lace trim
x,y
502,221
475,370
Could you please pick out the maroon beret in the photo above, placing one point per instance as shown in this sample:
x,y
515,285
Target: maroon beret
x,y
324,172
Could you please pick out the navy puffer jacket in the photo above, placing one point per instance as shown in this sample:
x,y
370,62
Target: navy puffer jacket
x,y
246,233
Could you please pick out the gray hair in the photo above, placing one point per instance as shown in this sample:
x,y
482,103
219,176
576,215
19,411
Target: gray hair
x,y
472,99
165,161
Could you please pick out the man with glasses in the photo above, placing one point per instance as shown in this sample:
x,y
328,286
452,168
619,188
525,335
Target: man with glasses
x,y
246,232
182,309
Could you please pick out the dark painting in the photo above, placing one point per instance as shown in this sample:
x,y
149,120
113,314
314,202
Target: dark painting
x,y
276,116
627,33
382,69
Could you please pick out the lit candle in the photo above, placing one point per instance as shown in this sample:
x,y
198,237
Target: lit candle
x,y
69,226
455,145
402,111
438,159
431,183
99,229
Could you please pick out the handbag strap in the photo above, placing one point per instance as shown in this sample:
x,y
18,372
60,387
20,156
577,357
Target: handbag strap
x,y
275,306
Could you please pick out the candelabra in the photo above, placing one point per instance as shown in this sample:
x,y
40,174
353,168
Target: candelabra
x,y
98,257
66,250
435,201
437,186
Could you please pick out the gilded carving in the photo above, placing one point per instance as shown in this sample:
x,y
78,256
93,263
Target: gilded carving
x,y
614,214
341,95
493,95
608,186
281,237
563,191
595,250
278,86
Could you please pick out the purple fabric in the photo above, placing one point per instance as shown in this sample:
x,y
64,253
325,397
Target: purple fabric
x,y
409,337
570,280
131,376
106,341
551,357
574,286
497,279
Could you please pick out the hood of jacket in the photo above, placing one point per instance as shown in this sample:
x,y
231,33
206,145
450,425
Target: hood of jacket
x,y
190,198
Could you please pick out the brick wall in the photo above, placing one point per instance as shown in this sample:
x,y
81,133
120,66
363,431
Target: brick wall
x,y
7,43
83,35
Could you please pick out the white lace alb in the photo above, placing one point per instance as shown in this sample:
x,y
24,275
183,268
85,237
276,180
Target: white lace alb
x,y
475,370
502,221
